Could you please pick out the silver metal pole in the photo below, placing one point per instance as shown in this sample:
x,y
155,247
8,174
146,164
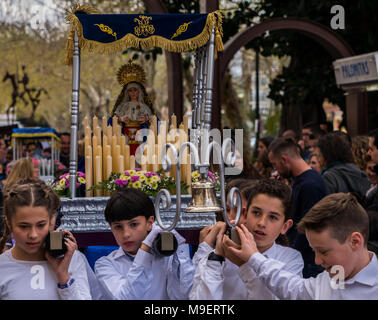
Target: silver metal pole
x,y
74,115
201,85
195,88
206,120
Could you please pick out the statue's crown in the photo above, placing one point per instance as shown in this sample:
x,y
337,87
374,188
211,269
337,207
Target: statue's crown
x,y
131,72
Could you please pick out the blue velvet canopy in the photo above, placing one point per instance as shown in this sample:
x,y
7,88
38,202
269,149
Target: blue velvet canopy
x,y
110,33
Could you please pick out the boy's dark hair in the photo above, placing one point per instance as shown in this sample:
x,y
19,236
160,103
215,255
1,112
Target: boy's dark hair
x,y
374,134
275,189
285,146
341,213
334,148
242,184
127,204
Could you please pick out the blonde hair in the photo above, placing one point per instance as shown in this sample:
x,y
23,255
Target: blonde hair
x,y
360,144
23,169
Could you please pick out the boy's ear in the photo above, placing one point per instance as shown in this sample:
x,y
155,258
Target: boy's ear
x,y
150,222
287,225
356,240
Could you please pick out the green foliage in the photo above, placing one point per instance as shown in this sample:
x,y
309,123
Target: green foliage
x,y
310,77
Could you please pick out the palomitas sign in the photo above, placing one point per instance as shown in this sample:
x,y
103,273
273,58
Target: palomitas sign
x,y
357,71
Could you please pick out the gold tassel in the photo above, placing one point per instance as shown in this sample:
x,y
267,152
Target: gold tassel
x,y
76,26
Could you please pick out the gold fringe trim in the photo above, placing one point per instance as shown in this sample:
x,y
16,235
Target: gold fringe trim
x,y
214,19
75,25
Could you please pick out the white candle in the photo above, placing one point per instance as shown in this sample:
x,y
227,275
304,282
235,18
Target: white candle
x,y
88,175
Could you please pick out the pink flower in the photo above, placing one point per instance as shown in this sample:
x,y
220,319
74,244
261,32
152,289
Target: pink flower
x,y
64,175
138,169
134,178
211,176
120,183
81,174
148,174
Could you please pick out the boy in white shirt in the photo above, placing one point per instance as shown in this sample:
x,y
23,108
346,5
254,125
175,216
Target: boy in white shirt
x,y
267,215
135,270
337,228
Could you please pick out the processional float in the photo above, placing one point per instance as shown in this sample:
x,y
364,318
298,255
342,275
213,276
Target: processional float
x,y
201,33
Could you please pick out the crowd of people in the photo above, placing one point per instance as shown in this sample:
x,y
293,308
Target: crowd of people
x,y
308,229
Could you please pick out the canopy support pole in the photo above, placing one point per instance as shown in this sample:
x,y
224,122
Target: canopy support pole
x,y
207,97
74,115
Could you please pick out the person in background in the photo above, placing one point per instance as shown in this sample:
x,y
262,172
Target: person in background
x,y
372,176
35,150
326,126
310,133
47,153
307,189
315,163
291,134
358,147
22,169
340,173
263,166
263,144
65,138
371,203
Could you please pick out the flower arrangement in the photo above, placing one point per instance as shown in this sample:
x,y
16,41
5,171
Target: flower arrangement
x,y
212,177
149,182
61,186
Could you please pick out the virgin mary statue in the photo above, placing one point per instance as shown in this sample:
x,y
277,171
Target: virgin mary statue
x,y
133,106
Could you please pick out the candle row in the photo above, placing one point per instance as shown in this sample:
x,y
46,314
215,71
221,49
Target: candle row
x,y
107,151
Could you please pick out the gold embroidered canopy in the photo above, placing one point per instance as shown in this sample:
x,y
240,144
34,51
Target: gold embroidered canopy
x,y
111,33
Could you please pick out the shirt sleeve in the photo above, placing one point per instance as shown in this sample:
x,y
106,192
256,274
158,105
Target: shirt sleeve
x,y
208,280
256,289
130,286
203,250
283,284
181,274
79,290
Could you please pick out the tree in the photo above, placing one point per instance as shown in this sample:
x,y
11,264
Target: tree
x,y
309,79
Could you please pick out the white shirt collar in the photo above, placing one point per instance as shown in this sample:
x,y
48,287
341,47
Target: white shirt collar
x,y
271,251
120,253
367,275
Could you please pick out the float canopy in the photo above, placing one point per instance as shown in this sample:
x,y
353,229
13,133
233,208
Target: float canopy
x,y
111,33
